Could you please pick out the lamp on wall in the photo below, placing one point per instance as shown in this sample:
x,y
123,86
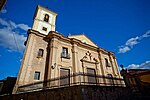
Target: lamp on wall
x,y
53,66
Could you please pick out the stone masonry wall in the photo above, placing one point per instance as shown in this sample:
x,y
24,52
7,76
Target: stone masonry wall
x,y
75,93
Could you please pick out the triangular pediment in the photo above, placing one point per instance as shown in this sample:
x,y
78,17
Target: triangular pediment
x,y
83,39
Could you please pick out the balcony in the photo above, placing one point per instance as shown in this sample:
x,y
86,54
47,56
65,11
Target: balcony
x,y
65,55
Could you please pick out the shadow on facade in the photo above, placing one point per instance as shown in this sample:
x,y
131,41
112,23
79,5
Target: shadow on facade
x,y
90,87
79,92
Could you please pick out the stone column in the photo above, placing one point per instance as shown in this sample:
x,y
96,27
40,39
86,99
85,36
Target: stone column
x,y
75,61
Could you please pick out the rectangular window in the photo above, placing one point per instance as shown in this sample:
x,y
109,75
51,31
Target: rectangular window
x,y
107,63
64,77
91,76
40,53
44,29
37,75
64,53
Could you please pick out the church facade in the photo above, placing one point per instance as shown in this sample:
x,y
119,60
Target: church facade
x,y
50,55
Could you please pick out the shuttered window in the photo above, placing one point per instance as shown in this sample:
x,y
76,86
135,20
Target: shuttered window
x,y
91,75
64,76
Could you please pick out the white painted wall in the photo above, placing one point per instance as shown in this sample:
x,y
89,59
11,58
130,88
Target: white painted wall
x,y
39,22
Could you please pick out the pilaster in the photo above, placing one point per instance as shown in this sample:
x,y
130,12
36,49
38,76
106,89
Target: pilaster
x,y
101,65
111,62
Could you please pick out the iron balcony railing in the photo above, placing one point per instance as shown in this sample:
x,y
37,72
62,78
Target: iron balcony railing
x,y
71,80
65,55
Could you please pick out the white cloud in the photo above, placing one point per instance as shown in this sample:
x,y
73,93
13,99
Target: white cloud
x,y
11,39
23,26
132,41
12,25
145,65
124,49
147,34
3,22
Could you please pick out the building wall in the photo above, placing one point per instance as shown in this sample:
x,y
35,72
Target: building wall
x,y
77,51
31,62
138,80
81,54
77,93
7,85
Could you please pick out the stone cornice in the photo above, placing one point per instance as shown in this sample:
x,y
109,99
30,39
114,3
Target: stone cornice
x,y
110,53
44,22
36,33
89,61
50,11
59,36
102,50
105,51
40,7
76,41
114,57
53,34
31,31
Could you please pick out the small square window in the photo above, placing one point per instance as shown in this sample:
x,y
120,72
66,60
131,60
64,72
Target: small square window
x,y
65,53
44,29
36,75
40,53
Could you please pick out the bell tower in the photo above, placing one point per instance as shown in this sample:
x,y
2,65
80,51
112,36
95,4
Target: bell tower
x,y
44,20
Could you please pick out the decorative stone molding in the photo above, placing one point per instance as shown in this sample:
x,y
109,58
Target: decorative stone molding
x,y
89,58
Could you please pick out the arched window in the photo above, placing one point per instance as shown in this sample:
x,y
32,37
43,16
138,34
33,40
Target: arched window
x,y
46,18
40,53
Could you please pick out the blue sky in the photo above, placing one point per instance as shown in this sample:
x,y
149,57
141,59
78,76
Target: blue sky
x,y
121,26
